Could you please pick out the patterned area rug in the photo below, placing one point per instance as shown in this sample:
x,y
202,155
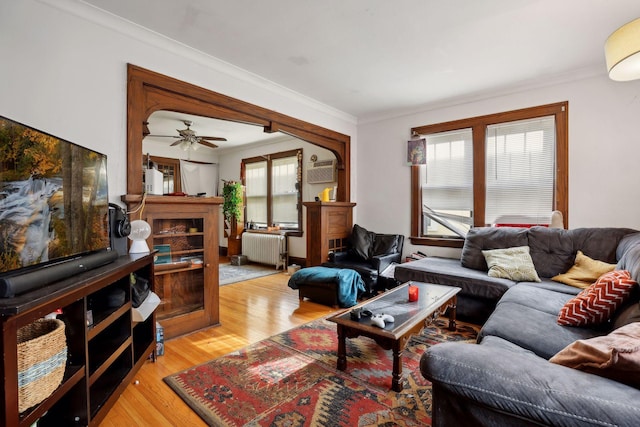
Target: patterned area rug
x,y
290,379
237,273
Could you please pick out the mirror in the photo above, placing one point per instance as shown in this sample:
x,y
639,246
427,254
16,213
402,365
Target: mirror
x,y
149,92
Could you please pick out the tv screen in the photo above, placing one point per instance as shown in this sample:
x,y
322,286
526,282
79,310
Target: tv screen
x,y
53,199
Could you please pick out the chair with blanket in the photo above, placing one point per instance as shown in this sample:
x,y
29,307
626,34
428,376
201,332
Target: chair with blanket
x,y
369,254
331,286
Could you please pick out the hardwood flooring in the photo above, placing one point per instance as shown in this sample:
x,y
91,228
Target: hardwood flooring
x,y
249,312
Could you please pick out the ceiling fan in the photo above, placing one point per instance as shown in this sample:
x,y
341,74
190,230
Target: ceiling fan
x,y
187,138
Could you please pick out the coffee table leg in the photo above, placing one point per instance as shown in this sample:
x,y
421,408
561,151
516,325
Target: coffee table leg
x,y
396,382
342,349
452,313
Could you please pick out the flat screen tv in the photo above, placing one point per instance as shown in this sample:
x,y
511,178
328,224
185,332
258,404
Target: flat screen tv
x,y
53,200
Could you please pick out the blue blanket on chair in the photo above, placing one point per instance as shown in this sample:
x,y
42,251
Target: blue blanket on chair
x,y
349,282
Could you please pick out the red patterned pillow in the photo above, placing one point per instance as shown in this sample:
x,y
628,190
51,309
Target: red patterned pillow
x,y
598,302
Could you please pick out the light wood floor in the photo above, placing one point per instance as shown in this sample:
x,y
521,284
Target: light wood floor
x,y
249,312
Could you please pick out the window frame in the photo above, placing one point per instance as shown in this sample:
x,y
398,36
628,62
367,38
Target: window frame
x,y
479,125
170,168
269,158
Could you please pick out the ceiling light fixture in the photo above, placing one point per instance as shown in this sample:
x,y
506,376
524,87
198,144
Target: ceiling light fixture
x,y
622,52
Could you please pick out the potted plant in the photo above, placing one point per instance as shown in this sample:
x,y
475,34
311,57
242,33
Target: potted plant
x,y
232,195
232,211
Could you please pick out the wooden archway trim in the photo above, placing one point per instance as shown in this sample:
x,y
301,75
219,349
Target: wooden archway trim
x,y
148,91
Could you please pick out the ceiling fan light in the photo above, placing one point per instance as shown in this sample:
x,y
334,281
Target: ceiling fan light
x,y
622,52
185,145
195,146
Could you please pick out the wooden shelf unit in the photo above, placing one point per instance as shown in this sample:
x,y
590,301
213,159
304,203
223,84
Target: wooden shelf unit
x,y
102,358
188,289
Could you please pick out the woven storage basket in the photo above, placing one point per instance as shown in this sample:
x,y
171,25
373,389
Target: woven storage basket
x,y
42,357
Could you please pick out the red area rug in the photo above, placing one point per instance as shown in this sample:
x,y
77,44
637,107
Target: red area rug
x,y
290,379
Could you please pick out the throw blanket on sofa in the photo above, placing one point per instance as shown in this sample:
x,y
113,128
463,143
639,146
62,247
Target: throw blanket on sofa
x,y
350,284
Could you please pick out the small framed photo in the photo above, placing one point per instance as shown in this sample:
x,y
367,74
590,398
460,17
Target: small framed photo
x,y
417,151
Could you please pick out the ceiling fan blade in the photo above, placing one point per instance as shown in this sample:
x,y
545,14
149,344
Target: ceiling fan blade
x,y
213,138
165,136
207,144
177,142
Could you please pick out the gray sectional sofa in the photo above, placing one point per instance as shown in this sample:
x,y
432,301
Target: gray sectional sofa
x,y
506,379
552,250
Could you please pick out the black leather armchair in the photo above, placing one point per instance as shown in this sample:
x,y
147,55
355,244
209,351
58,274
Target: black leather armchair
x,y
369,254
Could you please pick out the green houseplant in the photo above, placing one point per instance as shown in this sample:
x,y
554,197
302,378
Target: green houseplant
x,y
232,195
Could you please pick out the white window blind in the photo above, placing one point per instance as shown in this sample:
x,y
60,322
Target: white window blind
x,y
256,192
520,165
447,181
284,176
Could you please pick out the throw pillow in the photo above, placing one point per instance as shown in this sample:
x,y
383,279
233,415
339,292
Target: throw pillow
x,y
384,244
362,242
598,302
584,272
511,263
615,356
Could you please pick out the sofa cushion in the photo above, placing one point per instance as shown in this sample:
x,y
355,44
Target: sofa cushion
x,y
532,329
615,356
627,242
484,238
551,250
599,243
598,302
518,383
446,271
511,263
584,272
630,262
536,297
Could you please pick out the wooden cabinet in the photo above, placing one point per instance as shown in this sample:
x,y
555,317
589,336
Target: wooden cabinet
x,y
328,227
104,348
185,234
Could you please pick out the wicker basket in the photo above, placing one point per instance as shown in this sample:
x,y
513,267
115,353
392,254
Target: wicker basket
x,y
42,357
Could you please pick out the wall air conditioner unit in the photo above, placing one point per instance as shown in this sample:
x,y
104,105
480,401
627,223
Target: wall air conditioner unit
x,y
321,171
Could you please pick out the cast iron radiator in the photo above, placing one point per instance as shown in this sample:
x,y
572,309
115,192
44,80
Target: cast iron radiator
x,y
265,248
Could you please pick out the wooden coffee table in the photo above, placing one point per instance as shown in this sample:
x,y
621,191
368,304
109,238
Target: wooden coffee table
x,y
410,318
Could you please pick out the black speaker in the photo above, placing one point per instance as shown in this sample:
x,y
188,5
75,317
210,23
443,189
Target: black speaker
x,y
21,283
119,229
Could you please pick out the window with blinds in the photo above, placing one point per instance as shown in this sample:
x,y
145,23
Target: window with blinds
x,y
508,168
256,192
447,190
284,194
272,190
520,164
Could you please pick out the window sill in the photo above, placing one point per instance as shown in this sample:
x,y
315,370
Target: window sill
x,y
437,241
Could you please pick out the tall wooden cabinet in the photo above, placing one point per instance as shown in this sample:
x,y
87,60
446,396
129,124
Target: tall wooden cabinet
x,y
185,236
328,227
104,349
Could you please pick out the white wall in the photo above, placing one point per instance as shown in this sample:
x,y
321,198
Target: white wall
x,y
604,148
63,71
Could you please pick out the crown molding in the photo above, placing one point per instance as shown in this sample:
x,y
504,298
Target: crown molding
x,y
125,27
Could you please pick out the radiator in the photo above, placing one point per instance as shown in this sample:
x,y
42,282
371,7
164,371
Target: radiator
x,y
265,248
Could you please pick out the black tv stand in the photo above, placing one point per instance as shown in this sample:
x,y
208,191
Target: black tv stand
x,y
103,355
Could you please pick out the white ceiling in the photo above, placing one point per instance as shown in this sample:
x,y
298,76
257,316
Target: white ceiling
x,y
373,57
167,123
